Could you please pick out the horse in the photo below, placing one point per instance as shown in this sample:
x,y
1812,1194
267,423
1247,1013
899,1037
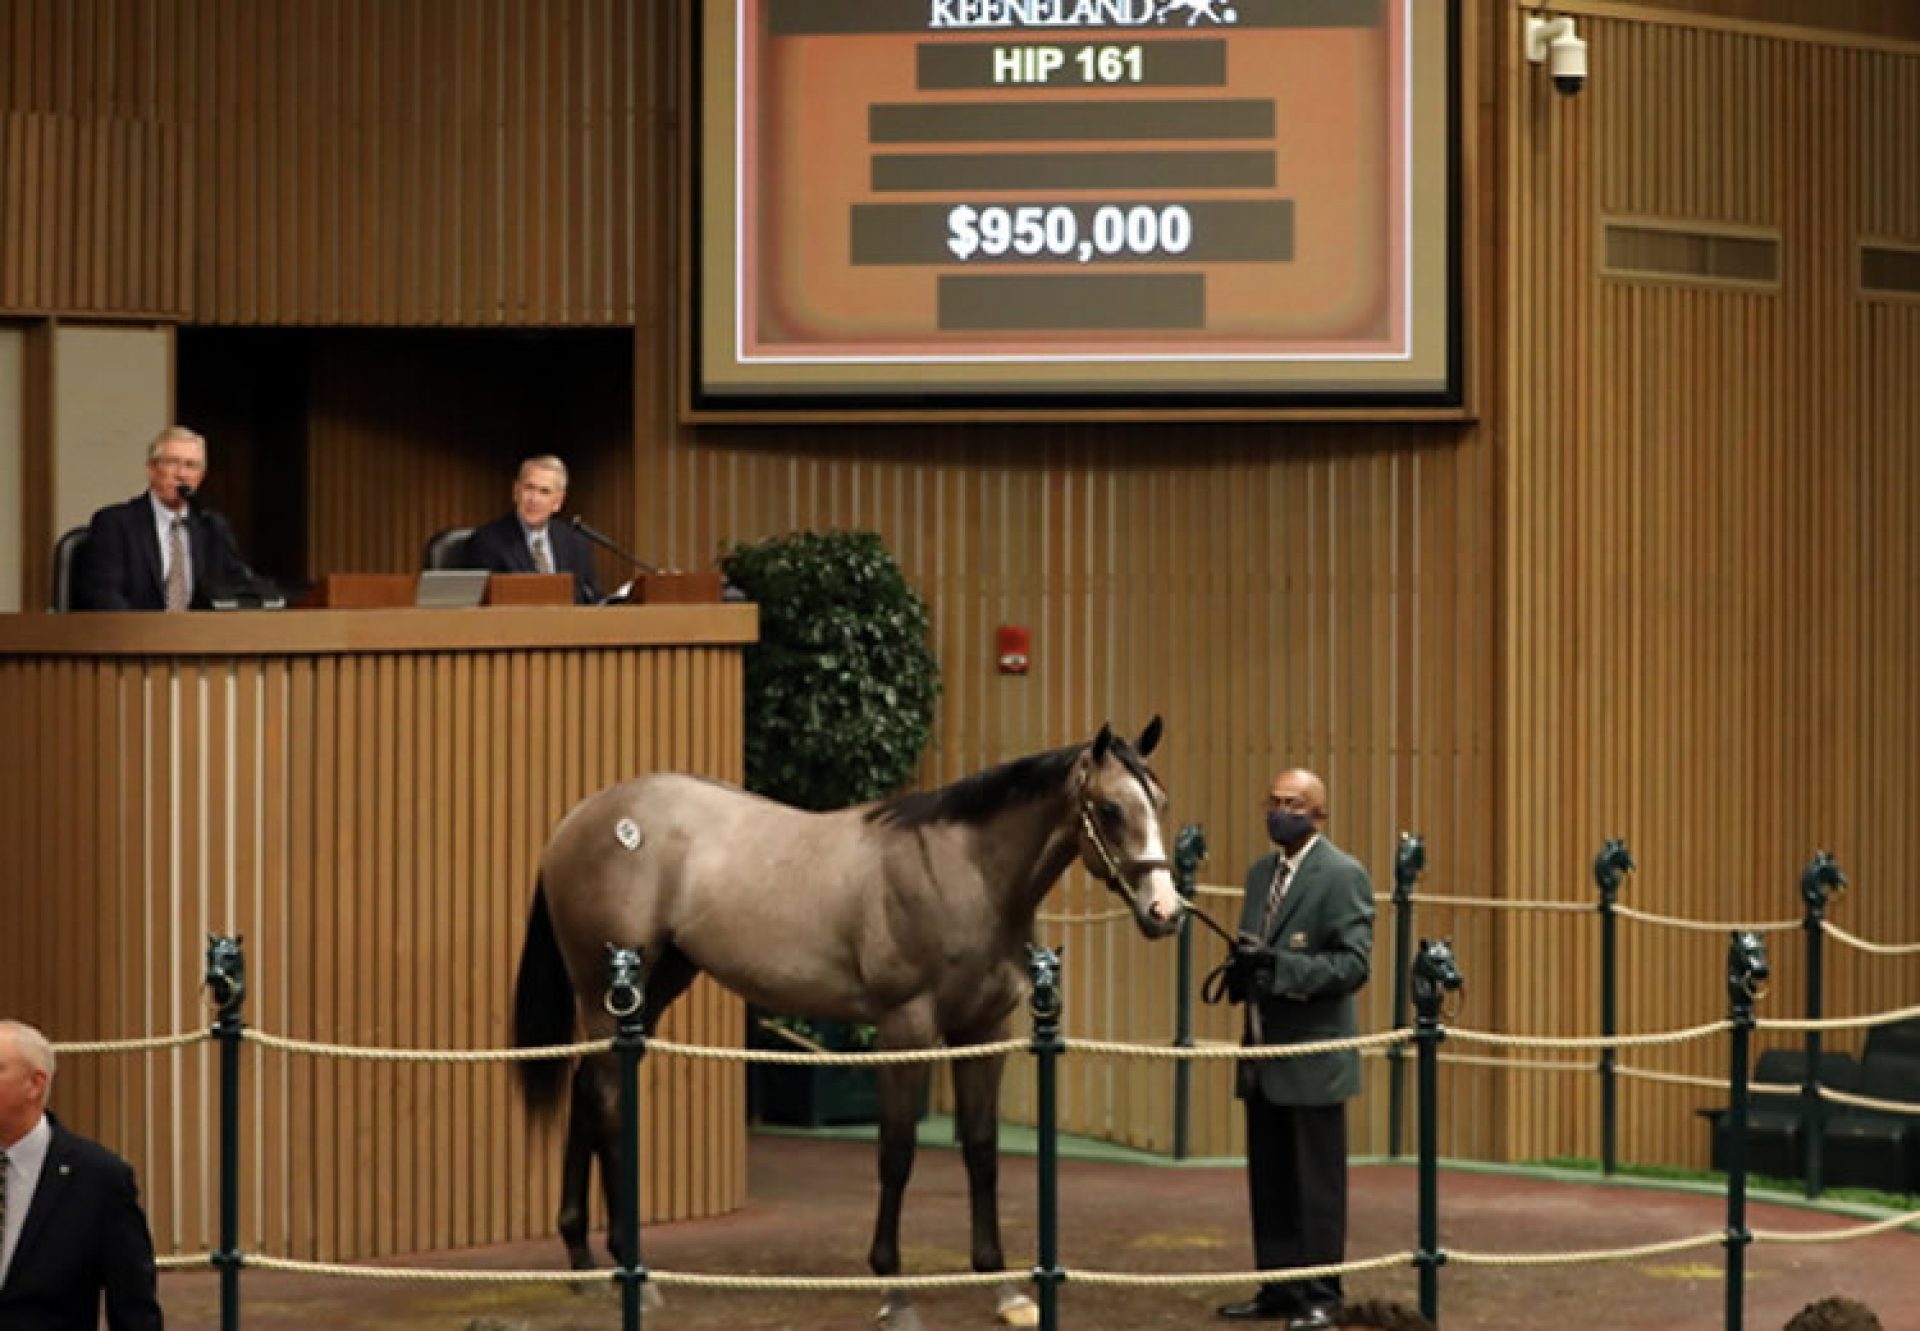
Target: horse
x,y
911,913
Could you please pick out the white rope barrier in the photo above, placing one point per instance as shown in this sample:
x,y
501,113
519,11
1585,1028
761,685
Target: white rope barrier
x,y
1878,949
320,1049
1704,926
1207,1279
1671,1078
1589,1041
841,1058
1835,1023
1837,1235
1586,1256
1092,917
1867,1101
144,1043
1517,1064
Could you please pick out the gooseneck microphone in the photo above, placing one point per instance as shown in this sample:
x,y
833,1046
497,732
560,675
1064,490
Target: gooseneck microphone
x,y
579,524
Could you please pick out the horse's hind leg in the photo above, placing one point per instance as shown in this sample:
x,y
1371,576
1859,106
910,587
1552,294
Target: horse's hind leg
x,y
976,1095
583,1137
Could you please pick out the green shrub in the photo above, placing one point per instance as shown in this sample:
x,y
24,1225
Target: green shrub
x,y
840,689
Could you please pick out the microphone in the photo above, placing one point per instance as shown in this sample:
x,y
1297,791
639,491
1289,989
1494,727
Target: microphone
x,y
579,524
186,497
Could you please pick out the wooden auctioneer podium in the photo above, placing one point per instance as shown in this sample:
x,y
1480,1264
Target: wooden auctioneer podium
x,y
362,794
397,591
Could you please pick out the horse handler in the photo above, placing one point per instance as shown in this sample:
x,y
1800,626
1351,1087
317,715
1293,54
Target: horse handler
x,y
1305,949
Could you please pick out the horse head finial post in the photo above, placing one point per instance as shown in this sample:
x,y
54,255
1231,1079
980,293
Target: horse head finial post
x,y
226,978
1747,973
1189,848
1409,858
626,1003
1821,881
1434,976
226,984
1043,969
1612,861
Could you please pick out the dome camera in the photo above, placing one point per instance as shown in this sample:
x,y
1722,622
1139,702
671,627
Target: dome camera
x,y
1555,43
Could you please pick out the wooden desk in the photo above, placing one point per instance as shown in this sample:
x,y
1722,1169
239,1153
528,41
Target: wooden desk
x,y
363,795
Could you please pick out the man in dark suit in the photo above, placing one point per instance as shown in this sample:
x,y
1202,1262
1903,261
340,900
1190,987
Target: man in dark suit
x,y
1306,930
527,540
71,1229
157,552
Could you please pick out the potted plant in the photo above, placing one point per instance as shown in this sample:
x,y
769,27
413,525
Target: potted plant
x,y
840,691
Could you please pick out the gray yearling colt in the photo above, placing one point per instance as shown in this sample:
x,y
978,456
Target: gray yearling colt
x,y
912,914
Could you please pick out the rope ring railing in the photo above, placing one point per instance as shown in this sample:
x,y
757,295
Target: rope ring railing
x,y
1835,932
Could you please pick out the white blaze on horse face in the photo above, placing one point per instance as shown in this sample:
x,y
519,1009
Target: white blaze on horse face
x,y
1155,890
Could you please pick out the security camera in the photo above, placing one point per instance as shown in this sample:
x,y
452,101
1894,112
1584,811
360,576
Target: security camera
x,y
1553,42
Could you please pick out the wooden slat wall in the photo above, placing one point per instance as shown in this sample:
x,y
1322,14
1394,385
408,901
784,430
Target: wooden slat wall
x,y
345,161
1709,583
370,823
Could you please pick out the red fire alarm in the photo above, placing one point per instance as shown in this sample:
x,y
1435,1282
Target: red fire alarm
x,y
1012,642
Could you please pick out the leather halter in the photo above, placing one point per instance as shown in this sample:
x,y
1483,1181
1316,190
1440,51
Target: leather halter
x,y
1119,878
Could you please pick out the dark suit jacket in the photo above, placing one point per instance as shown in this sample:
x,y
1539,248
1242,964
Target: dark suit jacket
x,y
1323,941
85,1239
121,567
501,547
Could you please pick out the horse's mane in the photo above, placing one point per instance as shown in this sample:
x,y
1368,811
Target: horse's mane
x,y
976,798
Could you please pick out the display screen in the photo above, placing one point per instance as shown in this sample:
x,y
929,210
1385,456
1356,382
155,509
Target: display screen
x,y
1061,204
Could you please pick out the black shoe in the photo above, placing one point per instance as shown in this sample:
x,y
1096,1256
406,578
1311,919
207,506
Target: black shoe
x,y
1314,1319
1257,1309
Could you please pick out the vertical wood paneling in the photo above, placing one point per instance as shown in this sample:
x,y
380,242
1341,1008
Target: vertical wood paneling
x,y
1693,490
380,866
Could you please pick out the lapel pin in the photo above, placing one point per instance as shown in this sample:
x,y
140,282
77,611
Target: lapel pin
x,y
65,1170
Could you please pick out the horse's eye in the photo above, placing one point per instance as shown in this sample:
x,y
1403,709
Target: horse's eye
x,y
1109,811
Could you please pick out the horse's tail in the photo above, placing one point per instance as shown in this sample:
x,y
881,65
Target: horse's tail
x,y
542,1008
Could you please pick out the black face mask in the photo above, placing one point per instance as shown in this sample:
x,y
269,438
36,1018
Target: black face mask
x,y
1287,827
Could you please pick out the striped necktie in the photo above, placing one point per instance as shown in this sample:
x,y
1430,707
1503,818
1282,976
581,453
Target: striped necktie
x,y
542,557
177,594
1276,893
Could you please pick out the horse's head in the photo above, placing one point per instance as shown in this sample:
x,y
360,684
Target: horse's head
x,y
1119,805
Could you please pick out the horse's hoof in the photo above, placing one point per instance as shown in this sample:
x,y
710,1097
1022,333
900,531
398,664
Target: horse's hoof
x,y
898,1314
1017,1310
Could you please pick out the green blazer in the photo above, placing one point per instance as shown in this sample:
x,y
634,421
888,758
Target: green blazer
x,y
1323,939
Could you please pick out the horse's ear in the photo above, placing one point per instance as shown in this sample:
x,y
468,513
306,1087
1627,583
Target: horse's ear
x,y
1149,738
1101,743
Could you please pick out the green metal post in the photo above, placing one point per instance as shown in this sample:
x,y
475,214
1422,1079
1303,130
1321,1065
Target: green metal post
x,y
1613,860
1189,848
626,994
1746,979
1433,977
1819,881
1043,968
1408,860
226,983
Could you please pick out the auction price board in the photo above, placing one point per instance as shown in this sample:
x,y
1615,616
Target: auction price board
x,y
1198,183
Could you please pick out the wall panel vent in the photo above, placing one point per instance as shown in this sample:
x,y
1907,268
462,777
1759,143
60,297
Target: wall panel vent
x,y
1680,252
1890,270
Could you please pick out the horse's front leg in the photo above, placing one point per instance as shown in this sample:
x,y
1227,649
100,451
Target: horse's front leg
x,y
901,1090
976,1095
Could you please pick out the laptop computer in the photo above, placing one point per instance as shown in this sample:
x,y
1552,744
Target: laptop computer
x,y
450,588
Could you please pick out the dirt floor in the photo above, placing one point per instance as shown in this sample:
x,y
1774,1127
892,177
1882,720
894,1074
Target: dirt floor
x,y
810,1212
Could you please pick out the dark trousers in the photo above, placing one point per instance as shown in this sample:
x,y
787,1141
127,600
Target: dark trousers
x,y
1297,1182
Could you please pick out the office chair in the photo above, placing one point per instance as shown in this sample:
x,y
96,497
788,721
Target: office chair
x,y
66,561
446,549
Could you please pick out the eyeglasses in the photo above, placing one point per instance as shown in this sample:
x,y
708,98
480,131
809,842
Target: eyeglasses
x,y
178,464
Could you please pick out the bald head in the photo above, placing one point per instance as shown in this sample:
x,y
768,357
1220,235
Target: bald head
x,y
1299,790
